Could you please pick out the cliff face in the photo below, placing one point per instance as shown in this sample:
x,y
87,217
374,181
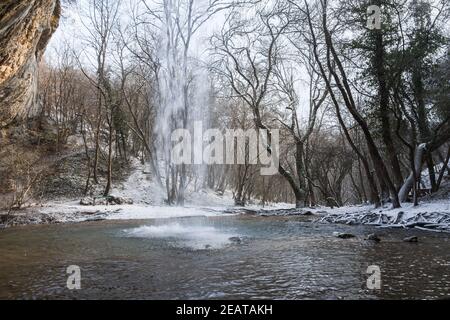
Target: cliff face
x,y
25,29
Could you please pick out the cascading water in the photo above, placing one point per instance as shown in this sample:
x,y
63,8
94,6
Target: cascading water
x,y
182,95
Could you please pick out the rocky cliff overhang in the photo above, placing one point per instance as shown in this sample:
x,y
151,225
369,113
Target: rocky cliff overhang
x,y
26,26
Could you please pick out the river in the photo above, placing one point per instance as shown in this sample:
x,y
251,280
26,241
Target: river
x,y
194,258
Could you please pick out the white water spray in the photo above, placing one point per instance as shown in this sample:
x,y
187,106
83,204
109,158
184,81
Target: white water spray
x,y
196,237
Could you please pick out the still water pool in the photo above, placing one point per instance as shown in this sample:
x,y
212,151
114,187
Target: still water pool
x,y
194,258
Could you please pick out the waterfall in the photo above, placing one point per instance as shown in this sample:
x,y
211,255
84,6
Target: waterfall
x,y
182,93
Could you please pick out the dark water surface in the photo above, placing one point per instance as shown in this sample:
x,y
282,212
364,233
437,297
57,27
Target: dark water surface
x,y
193,258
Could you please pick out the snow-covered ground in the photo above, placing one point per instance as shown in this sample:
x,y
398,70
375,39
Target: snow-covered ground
x,y
143,190
149,203
212,205
74,212
433,216
407,208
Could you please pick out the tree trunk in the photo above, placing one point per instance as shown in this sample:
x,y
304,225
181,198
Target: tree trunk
x,y
443,169
431,171
344,88
109,173
384,112
408,184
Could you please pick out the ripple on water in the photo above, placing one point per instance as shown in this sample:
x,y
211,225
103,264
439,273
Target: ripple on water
x,y
277,259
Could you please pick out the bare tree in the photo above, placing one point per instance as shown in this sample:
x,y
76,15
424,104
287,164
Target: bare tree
x,y
102,19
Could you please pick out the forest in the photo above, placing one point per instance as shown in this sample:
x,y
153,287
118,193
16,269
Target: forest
x,y
360,110
349,99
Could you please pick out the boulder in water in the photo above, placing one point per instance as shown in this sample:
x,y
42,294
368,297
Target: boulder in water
x,y
95,219
343,235
373,237
236,240
411,239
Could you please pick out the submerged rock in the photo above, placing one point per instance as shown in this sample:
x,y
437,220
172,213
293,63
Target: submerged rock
x,y
95,219
343,235
373,237
236,240
411,239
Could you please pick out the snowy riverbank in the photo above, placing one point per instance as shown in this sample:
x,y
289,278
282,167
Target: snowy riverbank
x,y
148,203
73,211
434,216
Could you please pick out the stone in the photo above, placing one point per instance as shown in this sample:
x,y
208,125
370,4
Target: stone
x,y
88,201
121,200
95,219
411,239
343,235
104,201
236,240
373,237
101,202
